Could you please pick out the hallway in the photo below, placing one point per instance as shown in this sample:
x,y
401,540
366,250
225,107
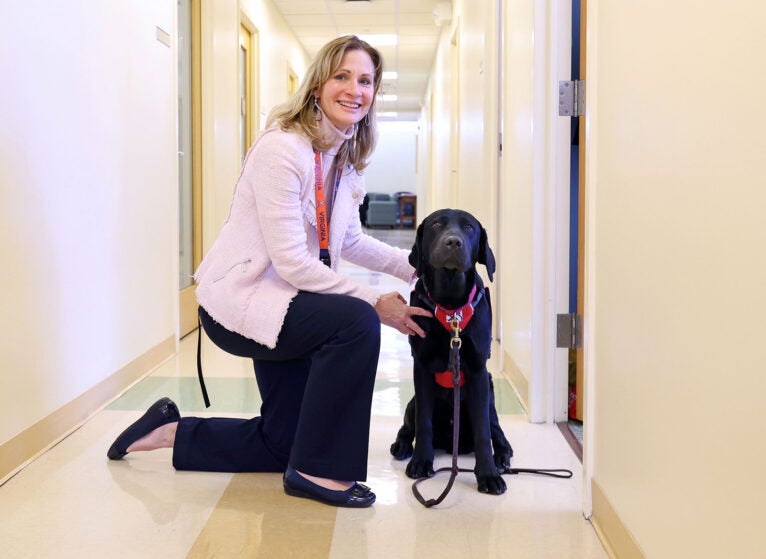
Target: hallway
x,y
73,502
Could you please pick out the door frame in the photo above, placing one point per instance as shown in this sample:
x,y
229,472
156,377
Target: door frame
x,y
187,312
548,383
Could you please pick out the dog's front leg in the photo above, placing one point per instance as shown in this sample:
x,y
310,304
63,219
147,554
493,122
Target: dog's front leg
x,y
422,462
478,401
402,447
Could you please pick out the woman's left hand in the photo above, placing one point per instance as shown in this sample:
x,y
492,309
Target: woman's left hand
x,y
394,311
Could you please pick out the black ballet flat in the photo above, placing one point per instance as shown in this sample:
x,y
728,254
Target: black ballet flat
x,y
161,412
356,496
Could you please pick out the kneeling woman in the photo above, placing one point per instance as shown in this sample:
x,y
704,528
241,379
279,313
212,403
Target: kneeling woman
x,y
269,290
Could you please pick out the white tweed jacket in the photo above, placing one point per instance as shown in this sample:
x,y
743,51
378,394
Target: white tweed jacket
x,y
268,248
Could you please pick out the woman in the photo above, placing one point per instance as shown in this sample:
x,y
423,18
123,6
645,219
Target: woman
x,y
269,290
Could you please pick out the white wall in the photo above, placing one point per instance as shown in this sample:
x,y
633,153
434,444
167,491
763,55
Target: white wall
x,y
677,272
392,166
88,188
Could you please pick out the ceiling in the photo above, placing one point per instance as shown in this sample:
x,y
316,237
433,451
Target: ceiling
x,y
416,23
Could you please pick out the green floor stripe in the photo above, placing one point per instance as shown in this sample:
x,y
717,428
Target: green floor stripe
x,y
227,395
240,395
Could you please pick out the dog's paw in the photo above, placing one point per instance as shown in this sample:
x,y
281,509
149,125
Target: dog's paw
x,y
493,484
503,461
401,449
417,469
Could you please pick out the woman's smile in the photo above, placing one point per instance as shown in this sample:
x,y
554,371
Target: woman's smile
x,y
347,96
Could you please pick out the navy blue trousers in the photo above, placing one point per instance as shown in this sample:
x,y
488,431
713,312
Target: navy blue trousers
x,y
316,386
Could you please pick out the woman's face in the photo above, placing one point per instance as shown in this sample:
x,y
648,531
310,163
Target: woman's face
x,y
346,97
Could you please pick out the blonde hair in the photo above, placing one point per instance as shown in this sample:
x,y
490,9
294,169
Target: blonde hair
x,y
298,111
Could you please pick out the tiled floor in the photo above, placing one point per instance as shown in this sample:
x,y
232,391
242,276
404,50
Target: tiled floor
x,y
73,502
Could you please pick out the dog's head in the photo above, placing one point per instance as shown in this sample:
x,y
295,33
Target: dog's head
x,y
451,240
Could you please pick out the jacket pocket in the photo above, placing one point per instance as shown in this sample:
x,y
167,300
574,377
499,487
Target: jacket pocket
x,y
242,263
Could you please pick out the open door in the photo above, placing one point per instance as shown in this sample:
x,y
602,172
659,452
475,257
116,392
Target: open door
x,y
579,56
573,428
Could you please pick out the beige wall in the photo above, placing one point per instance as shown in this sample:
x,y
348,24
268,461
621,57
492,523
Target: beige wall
x,y
518,180
675,235
676,273
278,50
439,192
533,203
505,210
464,81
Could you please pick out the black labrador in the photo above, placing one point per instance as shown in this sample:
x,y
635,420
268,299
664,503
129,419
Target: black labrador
x,y
448,246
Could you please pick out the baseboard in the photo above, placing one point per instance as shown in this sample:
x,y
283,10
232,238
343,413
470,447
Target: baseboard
x,y
33,441
616,539
517,379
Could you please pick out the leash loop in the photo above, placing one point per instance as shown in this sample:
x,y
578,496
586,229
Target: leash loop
x,y
454,365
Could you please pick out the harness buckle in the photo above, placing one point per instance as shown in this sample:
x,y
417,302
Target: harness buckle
x,y
455,341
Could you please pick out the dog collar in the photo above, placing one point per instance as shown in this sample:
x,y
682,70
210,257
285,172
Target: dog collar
x,y
462,314
444,316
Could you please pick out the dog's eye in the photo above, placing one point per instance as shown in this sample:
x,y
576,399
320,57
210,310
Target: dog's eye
x,y
468,227
436,225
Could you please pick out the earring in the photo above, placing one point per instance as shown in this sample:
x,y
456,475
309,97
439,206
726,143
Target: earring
x,y
367,118
317,110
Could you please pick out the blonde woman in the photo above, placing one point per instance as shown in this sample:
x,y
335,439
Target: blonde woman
x,y
269,290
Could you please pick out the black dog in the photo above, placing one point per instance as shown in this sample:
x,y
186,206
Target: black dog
x,y
448,246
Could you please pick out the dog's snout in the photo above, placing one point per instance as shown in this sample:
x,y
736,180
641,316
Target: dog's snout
x,y
453,241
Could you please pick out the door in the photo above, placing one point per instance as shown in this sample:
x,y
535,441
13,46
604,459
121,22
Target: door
x,y
249,85
571,423
577,201
245,90
189,160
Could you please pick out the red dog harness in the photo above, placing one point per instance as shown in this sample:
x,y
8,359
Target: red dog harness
x,y
445,317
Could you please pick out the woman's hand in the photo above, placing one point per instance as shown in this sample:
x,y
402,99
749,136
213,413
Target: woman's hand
x,y
394,311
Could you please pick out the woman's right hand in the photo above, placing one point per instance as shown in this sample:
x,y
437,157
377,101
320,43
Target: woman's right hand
x,y
394,311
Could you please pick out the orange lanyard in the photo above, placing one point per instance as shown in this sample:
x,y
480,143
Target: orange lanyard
x,y
323,221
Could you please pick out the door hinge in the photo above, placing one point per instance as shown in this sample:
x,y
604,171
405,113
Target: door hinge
x,y
572,98
569,331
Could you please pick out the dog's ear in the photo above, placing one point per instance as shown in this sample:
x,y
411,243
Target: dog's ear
x,y
417,252
486,256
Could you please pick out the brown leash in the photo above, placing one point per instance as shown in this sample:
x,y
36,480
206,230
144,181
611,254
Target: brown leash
x,y
454,366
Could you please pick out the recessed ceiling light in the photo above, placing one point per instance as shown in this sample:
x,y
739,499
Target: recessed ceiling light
x,y
387,97
390,75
